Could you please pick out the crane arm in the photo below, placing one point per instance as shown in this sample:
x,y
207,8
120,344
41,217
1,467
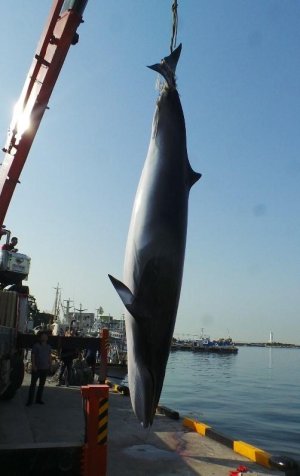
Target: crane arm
x,y
58,35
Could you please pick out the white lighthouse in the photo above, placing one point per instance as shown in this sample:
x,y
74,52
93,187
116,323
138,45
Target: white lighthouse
x,y
271,340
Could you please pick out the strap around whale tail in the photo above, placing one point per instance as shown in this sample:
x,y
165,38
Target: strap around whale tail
x,y
167,66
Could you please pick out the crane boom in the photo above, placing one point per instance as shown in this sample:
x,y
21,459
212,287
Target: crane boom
x,y
58,35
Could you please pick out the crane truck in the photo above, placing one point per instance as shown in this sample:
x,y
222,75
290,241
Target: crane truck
x,y
59,34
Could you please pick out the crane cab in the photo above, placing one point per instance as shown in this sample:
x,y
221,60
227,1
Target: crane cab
x,y
14,266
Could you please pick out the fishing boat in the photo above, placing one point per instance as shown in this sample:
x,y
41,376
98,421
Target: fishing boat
x,y
117,356
116,364
220,346
178,344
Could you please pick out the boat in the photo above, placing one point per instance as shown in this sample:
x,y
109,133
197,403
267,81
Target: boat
x,y
220,346
116,372
117,357
178,344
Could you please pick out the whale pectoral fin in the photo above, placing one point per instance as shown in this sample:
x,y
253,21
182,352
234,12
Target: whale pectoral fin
x,y
128,299
124,292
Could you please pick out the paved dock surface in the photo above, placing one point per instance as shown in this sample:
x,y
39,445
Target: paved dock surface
x,y
164,450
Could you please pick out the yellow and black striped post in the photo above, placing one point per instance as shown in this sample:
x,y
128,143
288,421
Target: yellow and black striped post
x,y
102,421
96,417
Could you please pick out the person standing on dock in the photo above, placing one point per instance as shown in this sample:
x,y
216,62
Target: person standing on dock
x,y
41,362
67,355
90,355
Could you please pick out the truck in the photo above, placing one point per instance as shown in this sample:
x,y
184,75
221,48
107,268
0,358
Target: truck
x,y
13,317
59,34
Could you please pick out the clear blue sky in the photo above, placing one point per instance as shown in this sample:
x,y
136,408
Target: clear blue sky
x,y
239,80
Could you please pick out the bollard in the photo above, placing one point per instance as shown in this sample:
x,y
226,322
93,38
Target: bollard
x,y
104,345
95,399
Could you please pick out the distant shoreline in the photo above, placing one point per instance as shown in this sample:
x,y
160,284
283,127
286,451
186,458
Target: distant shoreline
x,y
279,345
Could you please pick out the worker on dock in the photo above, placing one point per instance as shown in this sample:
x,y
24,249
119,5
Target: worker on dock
x,y
90,355
41,363
67,356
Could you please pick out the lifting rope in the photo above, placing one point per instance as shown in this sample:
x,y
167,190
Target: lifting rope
x,y
174,26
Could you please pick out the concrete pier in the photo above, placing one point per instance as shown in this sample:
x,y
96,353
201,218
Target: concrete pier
x,y
166,449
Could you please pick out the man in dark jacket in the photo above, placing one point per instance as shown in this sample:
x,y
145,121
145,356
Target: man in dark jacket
x,y
41,362
67,355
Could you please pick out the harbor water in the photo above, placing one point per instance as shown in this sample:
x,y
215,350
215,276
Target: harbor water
x,y
252,396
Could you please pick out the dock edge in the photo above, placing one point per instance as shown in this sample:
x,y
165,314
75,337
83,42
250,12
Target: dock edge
x,y
242,448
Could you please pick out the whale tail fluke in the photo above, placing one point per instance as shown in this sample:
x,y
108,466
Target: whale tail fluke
x,y
167,66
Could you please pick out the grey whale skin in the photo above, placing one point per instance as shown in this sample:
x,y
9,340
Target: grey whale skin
x,y
154,256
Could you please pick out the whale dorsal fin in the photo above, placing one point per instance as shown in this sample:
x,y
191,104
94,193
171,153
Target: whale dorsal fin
x,y
192,176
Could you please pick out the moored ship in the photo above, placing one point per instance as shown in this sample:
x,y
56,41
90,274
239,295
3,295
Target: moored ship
x,y
220,346
205,344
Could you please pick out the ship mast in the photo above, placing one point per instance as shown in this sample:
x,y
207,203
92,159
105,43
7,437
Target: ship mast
x,y
57,302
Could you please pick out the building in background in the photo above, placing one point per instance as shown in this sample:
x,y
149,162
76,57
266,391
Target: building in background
x,y
82,321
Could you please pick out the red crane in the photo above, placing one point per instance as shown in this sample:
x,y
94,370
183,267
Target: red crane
x,y
58,35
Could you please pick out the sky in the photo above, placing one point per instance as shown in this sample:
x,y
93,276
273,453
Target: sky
x,y
239,83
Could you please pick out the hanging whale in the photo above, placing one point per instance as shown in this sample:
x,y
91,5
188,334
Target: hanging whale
x,y
154,256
